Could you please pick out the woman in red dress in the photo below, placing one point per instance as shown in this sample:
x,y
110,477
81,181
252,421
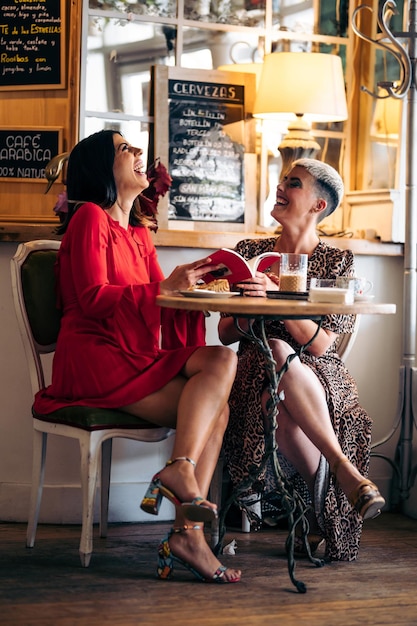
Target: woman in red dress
x,y
118,349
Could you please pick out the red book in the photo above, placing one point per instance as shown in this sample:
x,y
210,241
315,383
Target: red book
x,y
235,268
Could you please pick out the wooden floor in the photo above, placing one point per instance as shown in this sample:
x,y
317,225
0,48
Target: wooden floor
x,y
46,586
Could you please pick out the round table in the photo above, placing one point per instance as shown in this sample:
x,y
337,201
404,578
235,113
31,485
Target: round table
x,y
276,308
261,309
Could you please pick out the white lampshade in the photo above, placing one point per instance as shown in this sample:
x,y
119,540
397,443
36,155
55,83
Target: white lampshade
x,y
308,87
302,83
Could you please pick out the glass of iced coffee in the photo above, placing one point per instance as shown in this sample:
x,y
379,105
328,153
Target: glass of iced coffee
x,y
293,272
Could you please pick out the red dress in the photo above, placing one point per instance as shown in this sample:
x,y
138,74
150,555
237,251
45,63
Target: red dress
x,y
115,345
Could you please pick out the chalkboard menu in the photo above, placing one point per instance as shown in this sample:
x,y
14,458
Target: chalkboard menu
x,y
32,44
206,164
201,133
24,153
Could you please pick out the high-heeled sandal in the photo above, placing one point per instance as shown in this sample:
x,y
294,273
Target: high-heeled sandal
x,y
166,560
195,510
365,498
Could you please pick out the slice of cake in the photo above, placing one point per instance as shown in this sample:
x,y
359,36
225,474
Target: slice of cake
x,y
218,285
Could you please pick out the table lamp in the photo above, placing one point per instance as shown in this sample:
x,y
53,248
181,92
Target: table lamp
x,y
308,85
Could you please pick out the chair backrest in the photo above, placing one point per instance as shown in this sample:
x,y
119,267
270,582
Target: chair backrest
x,y
33,286
345,341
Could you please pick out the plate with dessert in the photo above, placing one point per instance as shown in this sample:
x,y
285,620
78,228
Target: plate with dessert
x,y
219,288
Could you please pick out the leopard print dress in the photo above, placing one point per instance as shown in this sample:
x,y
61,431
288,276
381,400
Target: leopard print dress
x,y
244,443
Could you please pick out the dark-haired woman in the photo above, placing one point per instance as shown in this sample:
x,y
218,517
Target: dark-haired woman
x,y
118,349
321,425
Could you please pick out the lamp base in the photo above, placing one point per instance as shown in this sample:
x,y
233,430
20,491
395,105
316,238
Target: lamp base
x,y
297,144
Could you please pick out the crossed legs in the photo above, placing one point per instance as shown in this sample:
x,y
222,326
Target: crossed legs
x,y
305,430
195,403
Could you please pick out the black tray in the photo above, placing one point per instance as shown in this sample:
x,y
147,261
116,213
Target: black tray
x,y
287,295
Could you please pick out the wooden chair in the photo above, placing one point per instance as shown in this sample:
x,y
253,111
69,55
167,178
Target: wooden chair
x,y
33,287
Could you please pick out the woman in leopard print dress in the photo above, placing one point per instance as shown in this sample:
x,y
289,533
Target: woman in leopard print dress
x,y
320,421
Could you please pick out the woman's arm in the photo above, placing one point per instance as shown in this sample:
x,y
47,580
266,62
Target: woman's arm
x,y
303,330
228,333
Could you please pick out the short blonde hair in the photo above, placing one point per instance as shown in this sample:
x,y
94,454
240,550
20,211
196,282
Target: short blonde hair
x,y
328,182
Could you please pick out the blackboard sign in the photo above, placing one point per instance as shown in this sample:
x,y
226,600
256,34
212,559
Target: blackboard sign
x,y
205,163
204,133
24,153
32,44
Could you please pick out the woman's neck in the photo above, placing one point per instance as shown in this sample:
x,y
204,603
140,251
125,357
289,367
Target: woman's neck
x,y
120,213
304,243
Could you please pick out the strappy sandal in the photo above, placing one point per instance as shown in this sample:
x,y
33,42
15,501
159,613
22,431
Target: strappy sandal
x,y
365,498
166,560
196,510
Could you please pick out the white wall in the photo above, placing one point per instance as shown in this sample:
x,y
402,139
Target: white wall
x,y
374,362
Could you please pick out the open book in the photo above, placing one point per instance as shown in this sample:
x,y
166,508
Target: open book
x,y
235,268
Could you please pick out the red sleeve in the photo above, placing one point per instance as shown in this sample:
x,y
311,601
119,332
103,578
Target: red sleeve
x,y
178,328
182,328
88,238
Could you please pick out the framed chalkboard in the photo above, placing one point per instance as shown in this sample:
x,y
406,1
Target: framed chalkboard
x,y
32,54
24,152
204,134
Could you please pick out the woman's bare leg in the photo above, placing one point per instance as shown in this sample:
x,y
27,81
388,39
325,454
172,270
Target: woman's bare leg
x,y
305,409
196,404
191,545
294,444
210,455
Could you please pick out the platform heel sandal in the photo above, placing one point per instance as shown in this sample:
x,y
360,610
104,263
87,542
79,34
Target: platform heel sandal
x,y
365,498
196,510
166,560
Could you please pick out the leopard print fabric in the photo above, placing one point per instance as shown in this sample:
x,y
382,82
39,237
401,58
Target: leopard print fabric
x,y
244,443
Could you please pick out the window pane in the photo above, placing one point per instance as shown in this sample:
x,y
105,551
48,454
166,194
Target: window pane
x,y
118,64
207,49
136,133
